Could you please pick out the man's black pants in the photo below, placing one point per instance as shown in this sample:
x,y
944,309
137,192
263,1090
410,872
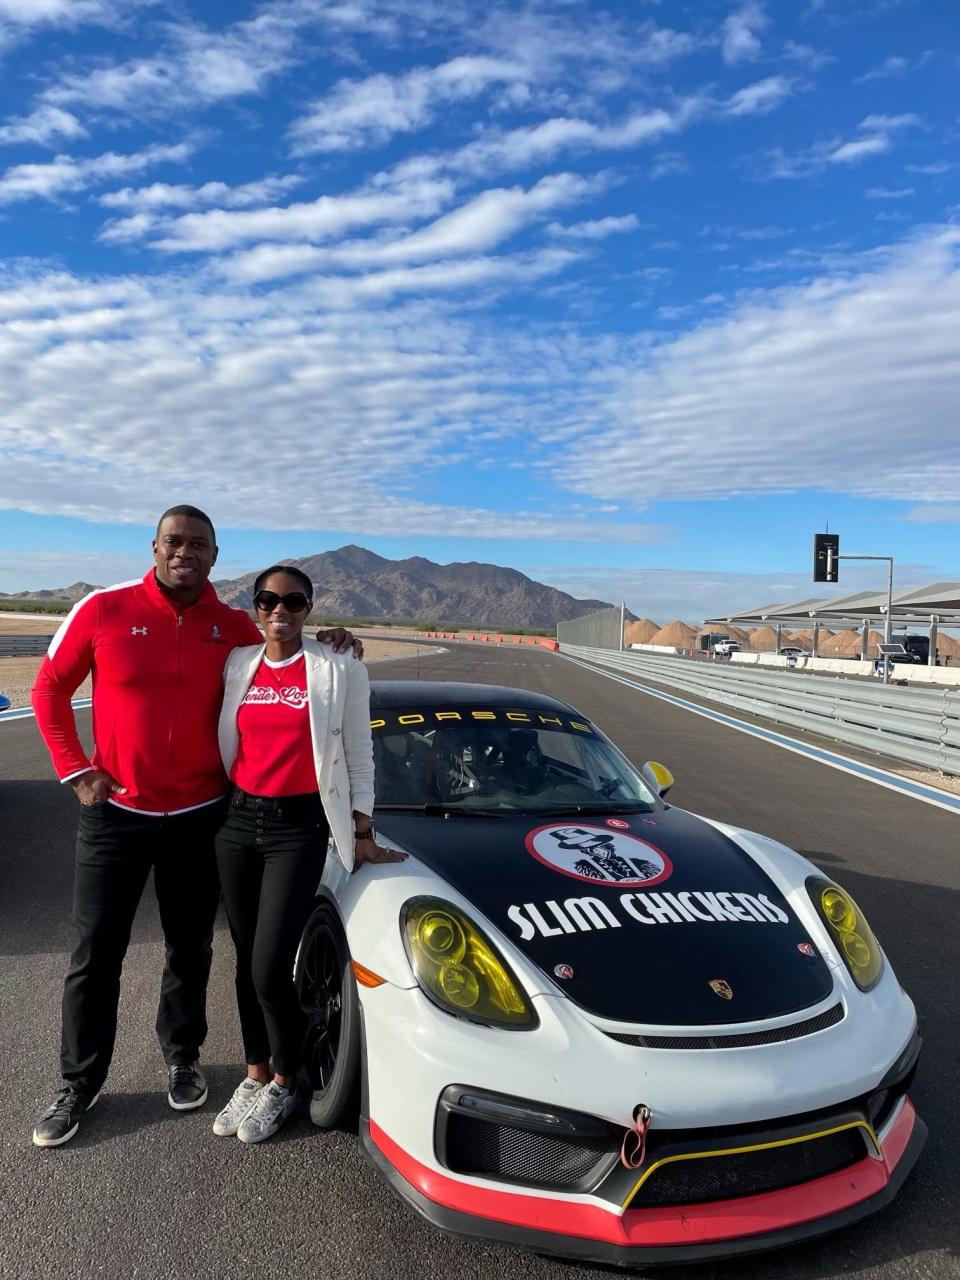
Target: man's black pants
x,y
271,854
116,850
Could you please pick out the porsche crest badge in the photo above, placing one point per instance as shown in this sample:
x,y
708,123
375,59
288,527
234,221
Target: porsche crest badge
x,y
721,988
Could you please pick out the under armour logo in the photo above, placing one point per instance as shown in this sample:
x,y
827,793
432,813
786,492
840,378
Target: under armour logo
x,y
138,631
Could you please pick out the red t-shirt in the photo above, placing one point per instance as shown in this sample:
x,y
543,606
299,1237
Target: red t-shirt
x,y
275,756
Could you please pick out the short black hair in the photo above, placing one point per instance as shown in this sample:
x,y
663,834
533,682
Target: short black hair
x,y
194,513
293,571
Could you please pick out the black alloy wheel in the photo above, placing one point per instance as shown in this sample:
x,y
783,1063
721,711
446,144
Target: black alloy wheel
x,y
327,991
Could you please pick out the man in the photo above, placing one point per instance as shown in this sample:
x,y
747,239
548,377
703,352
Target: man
x,y
149,798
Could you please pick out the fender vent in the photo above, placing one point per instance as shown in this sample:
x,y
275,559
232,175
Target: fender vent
x,y
775,1035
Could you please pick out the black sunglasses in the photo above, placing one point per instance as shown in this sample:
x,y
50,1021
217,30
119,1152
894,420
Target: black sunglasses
x,y
293,601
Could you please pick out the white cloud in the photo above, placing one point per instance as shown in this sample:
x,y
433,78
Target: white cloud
x,y
934,513
195,66
807,55
886,193
889,124
274,262
363,112
20,18
66,174
815,387
877,138
321,219
30,13
859,149
163,195
895,67
265,387
739,39
45,126
892,67
758,99
487,220
534,144
934,169
596,228
152,204
476,227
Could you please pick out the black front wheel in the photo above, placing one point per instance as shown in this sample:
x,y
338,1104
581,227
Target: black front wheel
x,y
327,990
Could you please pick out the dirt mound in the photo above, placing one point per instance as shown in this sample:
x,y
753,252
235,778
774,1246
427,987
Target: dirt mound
x,y
675,633
640,632
764,640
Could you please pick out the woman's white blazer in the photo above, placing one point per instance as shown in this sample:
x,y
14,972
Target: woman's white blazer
x,y
338,699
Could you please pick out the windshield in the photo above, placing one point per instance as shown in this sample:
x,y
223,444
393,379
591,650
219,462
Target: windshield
x,y
500,760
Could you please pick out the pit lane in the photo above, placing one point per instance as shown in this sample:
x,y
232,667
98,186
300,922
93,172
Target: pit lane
x,y
143,1191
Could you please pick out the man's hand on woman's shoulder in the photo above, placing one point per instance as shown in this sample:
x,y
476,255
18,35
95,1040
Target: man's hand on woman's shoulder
x,y
342,640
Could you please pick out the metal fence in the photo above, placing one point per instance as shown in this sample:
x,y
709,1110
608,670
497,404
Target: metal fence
x,y
600,630
921,726
30,646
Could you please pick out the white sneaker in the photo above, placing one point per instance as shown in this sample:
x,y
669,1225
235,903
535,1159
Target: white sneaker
x,y
240,1105
273,1105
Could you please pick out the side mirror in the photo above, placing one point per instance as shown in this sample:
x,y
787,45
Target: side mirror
x,y
658,775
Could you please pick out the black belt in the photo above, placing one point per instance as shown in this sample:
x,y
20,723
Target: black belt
x,y
306,805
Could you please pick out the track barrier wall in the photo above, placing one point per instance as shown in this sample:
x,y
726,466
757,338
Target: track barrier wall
x,y
600,630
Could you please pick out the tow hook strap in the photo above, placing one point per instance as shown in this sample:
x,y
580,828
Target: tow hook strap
x,y
633,1149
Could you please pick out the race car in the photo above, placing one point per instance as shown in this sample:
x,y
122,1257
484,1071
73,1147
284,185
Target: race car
x,y
579,1019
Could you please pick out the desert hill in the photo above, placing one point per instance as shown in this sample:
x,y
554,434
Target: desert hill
x,y
352,582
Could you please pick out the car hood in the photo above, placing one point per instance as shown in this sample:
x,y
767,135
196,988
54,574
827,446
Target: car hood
x,y
658,919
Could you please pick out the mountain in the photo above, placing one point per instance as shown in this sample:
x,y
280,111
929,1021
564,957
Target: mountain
x,y
76,591
352,582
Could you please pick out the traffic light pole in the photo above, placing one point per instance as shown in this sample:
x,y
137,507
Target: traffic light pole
x,y
888,630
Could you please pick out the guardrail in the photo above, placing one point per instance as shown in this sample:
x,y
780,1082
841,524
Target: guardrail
x,y
917,725
29,646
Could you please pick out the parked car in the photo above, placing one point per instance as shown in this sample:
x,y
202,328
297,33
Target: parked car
x,y
725,647
793,651
584,1021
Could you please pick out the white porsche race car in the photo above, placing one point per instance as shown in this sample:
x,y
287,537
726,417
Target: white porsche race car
x,y
584,1021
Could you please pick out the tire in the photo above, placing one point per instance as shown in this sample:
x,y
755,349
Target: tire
x,y
327,991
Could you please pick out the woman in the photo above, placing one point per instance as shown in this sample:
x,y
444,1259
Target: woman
x,y
295,740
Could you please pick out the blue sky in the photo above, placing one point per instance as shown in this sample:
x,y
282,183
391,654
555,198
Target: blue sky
x,y
630,297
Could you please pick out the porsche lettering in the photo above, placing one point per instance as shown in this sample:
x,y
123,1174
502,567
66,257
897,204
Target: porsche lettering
x,y
430,718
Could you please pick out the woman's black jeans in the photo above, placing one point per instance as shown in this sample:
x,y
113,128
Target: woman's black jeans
x,y
270,854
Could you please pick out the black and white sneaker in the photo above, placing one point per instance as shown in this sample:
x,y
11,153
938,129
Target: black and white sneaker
x,y
188,1089
61,1121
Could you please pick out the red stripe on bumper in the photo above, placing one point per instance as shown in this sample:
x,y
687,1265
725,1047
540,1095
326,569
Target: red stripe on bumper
x,y
676,1225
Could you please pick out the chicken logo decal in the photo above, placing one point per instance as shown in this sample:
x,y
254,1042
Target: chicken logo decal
x,y
599,855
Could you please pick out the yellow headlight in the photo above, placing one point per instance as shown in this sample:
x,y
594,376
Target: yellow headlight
x,y
441,936
848,927
459,968
838,909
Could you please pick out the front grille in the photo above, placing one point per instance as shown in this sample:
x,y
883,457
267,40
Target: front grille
x,y
517,1155
705,1178
775,1035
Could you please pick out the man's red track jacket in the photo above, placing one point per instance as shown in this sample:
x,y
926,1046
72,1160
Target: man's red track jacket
x,y
157,688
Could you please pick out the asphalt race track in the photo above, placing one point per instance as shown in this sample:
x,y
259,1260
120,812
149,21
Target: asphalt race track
x,y
145,1192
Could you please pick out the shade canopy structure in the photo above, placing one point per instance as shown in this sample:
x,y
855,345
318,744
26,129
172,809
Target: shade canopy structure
x,y
939,602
